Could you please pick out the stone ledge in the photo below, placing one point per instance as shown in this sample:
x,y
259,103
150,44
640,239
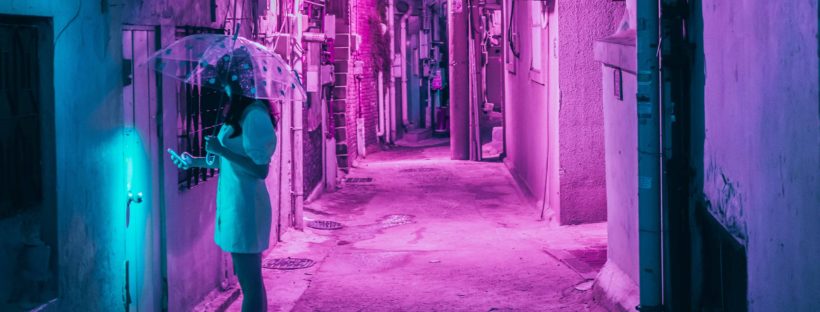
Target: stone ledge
x,y
618,51
615,290
218,300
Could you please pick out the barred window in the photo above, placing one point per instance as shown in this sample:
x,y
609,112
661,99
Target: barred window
x,y
197,110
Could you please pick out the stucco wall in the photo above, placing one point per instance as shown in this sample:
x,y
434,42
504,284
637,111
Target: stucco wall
x,y
89,176
762,143
527,108
621,122
564,115
583,188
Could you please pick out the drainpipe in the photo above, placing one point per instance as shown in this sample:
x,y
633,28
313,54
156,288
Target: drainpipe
x,y
649,158
404,43
390,111
380,101
459,80
297,157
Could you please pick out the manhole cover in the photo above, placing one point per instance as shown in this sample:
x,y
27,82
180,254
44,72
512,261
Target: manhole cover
x,y
358,180
324,225
398,219
288,263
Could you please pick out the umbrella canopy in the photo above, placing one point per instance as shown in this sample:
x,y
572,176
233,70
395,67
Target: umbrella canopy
x,y
214,61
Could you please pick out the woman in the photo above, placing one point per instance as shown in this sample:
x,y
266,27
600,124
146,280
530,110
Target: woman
x,y
243,148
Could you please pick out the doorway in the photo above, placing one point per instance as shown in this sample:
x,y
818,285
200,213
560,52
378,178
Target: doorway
x,y
142,155
28,209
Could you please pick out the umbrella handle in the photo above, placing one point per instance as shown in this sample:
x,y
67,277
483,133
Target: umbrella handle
x,y
236,31
210,159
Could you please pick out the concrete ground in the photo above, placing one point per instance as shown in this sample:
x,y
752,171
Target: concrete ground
x,y
431,234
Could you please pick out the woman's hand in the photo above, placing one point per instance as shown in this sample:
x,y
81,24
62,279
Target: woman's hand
x,y
183,161
213,146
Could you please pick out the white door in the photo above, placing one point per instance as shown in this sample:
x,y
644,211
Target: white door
x,y
141,151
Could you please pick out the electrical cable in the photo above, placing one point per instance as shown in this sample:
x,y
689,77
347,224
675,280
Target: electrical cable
x,y
71,21
510,40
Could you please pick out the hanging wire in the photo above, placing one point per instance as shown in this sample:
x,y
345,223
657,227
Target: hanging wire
x,y
71,21
510,40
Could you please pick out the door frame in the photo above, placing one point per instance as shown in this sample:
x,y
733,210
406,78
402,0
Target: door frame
x,y
153,294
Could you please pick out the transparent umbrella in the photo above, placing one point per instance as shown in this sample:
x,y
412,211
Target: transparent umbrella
x,y
215,61
212,60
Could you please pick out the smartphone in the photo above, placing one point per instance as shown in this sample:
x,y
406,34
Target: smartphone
x,y
176,156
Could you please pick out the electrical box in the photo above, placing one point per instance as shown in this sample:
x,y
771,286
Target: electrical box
x,y
326,75
358,69
355,42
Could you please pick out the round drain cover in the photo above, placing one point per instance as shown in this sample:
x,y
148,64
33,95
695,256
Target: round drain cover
x,y
419,170
287,263
324,225
397,219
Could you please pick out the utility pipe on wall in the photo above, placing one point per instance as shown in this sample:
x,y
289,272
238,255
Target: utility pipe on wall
x,y
649,158
380,101
297,153
459,79
390,103
404,74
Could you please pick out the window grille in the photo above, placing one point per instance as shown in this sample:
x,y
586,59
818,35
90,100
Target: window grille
x,y
197,109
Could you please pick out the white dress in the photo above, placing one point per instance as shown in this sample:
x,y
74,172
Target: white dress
x,y
243,209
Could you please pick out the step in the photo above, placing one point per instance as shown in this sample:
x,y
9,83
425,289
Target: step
x,y
416,135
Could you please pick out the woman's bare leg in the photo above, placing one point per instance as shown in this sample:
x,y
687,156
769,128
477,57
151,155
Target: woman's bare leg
x,y
248,268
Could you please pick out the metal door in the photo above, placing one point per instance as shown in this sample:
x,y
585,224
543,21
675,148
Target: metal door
x,y
141,154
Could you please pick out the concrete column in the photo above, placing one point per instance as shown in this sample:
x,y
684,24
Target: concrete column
x,y
459,79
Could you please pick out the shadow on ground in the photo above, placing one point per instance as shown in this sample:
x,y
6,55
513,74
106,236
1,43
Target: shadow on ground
x,y
431,234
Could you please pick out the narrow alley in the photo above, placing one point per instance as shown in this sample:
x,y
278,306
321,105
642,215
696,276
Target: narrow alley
x,y
409,155
433,234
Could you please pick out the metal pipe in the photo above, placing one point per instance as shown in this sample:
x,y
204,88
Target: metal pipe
x,y
649,158
298,189
380,104
390,112
404,88
473,107
458,80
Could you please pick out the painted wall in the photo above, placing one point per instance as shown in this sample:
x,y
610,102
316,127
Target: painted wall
x,y
620,119
583,187
91,175
527,106
564,115
88,116
761,164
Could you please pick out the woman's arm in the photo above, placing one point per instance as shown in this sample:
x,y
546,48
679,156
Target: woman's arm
x,y
188,161
247,165
202,162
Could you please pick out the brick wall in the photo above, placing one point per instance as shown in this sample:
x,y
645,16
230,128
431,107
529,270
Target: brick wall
x,y
354,97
